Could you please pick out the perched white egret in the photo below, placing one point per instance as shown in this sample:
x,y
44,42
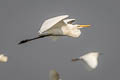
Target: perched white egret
x,y
3,58
58,26
91,59
54,75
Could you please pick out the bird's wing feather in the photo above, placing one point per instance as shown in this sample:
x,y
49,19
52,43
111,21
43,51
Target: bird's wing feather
x,y
90,60
69,21
51,22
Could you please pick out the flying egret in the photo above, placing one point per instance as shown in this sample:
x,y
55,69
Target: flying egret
x,y
58,26
54,75
3,58
91,59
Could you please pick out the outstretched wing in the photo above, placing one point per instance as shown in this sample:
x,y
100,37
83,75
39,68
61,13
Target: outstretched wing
x,y
51,22
69,21
91,60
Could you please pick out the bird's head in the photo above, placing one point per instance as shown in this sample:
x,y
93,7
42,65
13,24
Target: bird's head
x,y
75,31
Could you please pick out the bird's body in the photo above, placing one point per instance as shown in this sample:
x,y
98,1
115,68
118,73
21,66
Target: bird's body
x,y
71,30
67,29
53,32
3,58
91,59
54,75
58,26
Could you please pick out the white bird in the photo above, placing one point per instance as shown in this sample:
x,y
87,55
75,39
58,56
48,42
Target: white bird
x,y
91,59
58,26
3,58
54,75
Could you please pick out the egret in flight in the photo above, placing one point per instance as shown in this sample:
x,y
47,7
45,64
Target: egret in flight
x,y
91,59
58,26
54,75
3,58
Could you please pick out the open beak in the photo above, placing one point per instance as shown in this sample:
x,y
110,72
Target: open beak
x,y
83,26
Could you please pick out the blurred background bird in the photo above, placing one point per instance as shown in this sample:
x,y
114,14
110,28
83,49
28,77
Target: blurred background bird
x,y
91,59
53,75
58,26
3,58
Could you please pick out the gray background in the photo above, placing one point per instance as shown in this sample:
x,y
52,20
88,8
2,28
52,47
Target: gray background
x,y
21,19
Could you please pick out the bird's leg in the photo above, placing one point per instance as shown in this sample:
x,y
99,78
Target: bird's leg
x,y
40,36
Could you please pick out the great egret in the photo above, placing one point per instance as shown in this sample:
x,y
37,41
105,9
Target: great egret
x,y
54,75
90,58
3,58
58,26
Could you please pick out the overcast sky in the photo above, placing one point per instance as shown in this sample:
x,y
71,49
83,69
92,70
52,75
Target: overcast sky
x,y
21,19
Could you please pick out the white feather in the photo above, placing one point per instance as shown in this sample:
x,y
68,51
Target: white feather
x,y
91,59
69,21
51,22
3,58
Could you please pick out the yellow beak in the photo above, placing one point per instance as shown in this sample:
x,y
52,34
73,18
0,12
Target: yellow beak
x,y
82,26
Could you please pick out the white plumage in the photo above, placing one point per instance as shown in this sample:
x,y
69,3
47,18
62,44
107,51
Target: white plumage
x,y
3,58
91,59
58,26
51,22
69,21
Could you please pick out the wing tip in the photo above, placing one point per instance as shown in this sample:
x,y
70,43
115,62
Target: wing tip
x,y
65,16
